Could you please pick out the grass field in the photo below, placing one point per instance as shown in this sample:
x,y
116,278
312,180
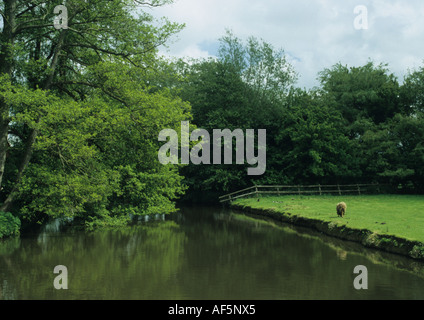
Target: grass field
x,y
399,215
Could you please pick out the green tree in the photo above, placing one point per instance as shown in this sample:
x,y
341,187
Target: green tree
x,y
80,110
217,95
265,69
246,87
368,98
397,152
412,92
312,142
365,92
409,132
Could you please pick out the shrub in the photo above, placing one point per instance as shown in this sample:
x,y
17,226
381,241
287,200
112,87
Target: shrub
x,y
9,224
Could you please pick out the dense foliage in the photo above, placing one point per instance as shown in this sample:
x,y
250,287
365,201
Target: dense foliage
x,y
80,111
359,126
9,224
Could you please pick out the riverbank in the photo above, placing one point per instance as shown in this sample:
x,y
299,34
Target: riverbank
x,y
392,223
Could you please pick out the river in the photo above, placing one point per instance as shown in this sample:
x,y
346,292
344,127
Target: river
x,y
200,253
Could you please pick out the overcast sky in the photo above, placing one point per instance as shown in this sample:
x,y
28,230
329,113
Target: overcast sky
x,y
315,34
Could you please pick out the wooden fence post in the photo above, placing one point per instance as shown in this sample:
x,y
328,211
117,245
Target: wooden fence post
x,y
256,191
359,189
320,192
338,188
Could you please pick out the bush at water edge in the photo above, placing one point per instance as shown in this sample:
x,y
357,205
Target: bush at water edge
x,y
9,224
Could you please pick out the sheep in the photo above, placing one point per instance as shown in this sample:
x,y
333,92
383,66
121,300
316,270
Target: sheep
x,y
341,209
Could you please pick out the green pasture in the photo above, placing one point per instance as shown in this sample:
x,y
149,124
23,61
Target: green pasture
x,y
399,215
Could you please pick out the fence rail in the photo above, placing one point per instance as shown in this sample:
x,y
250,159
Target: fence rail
x,y
301,189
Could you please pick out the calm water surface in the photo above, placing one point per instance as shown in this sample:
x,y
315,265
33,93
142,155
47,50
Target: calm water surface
x,y
201,253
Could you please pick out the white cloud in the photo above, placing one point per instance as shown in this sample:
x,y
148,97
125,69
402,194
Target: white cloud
x,y
193,51
317,34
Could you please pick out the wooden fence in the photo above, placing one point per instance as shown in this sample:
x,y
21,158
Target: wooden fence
x,y
302,190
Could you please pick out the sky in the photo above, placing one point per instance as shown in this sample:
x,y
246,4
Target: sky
x,y
314,34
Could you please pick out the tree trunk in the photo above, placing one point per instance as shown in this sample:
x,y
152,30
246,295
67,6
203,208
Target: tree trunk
x,y
25,161
4,145
33,136
6,67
